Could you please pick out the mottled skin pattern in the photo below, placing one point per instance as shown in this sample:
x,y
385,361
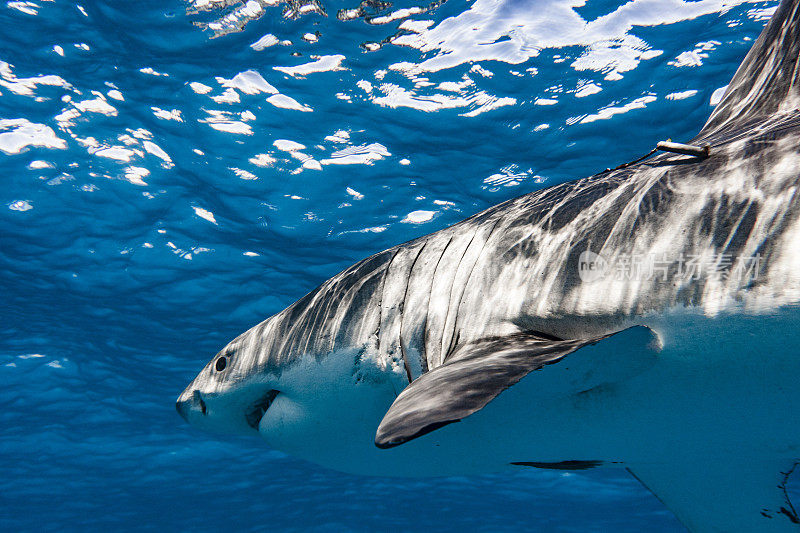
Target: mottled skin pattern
x,y
514,267
505,282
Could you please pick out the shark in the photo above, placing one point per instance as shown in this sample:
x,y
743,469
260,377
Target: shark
x,y
644,318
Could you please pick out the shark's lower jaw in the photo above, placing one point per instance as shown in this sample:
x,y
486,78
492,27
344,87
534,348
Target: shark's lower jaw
x,y
257,411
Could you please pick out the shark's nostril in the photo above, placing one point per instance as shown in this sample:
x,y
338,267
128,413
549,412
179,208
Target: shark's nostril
x,y
182,408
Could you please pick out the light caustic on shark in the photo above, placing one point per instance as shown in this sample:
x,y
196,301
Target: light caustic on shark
x,y
678,360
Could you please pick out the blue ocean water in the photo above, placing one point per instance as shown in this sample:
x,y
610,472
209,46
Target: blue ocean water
x,y
174,172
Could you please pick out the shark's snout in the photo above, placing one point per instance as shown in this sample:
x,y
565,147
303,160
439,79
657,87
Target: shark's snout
x,y
190,401
236,410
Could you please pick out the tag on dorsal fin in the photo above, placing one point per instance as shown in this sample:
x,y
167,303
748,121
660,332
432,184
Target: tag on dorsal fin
x,y
476,373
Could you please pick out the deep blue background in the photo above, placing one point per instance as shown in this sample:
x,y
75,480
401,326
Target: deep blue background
x,y
115,293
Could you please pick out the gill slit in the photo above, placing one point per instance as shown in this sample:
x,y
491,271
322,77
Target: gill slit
x,y
380,301
453,339
450,298
402,314
428,310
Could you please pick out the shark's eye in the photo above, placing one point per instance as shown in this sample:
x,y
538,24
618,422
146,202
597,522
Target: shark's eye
x,y
222,362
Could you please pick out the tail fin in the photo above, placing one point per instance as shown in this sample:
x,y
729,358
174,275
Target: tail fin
x,y
768,80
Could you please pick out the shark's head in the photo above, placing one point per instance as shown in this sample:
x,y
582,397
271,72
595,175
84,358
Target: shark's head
x,y
230,395
311,380
297,384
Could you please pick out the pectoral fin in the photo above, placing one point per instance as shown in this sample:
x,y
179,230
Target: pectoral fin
x,y
476,373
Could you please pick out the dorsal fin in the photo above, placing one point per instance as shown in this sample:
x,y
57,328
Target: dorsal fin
x,y
768,80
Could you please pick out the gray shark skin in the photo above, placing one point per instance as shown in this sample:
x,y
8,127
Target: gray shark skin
x,y
686,375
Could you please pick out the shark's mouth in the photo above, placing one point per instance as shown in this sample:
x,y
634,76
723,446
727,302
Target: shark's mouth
x,y
256,412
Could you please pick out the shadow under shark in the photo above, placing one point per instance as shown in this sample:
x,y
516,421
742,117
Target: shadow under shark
x,y
646,316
